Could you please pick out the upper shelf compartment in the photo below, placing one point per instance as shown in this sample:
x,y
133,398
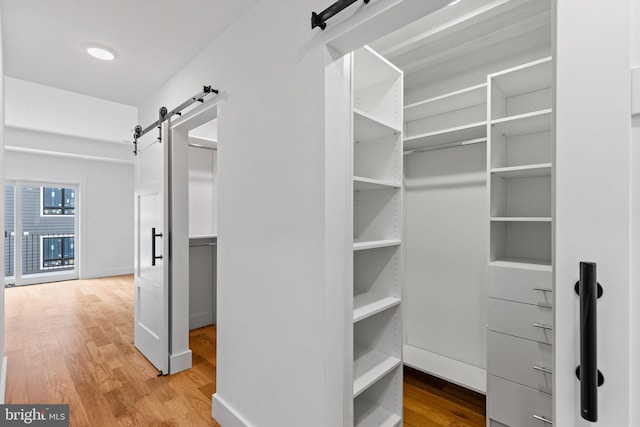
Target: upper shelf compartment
x,y
457,100
368,127
524,78
524,124
377,87
465,133
522,89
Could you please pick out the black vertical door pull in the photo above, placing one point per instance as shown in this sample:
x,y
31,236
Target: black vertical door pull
x,y
154,257
588,374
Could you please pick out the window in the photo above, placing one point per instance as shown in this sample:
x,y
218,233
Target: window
x,y
57,252
58,201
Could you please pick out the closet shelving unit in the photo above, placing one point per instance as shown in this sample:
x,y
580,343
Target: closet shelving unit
x,y
520,324
377,224
520,167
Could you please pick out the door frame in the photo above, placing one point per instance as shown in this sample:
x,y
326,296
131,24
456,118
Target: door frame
x,y
180,356
38,278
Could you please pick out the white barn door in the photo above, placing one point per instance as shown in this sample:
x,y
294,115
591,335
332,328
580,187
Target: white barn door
x,y
151,268
594,217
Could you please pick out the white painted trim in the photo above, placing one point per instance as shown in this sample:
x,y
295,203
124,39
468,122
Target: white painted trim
x,y
180,362
454,371
635,91
68,155
118,271
3,380
224,414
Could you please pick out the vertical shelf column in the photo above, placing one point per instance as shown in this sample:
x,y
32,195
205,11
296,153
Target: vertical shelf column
x,y
520,325
377,108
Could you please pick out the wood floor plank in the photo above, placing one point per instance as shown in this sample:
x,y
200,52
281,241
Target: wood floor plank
x,y
72,342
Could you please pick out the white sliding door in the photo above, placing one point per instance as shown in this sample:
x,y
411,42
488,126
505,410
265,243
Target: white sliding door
x,y
151,267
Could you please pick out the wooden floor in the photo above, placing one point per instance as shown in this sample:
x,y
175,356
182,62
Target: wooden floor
x,y
72,342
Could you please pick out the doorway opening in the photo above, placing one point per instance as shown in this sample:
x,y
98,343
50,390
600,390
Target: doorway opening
x,y
41,232
451,169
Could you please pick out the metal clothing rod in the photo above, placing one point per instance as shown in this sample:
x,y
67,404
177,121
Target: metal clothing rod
x,y
319,19
164,115
447,145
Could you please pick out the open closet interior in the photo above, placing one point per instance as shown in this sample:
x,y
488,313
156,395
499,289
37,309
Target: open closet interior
x,y
203,236
452,210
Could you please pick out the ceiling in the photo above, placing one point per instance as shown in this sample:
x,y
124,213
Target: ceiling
x,y
465,36
44,41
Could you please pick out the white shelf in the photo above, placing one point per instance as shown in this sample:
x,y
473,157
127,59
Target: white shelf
x,y
367,414
359,246
523,263
445,136
520,219
361,183
369,366
368,127
524,124
525,171
524,78
367,304
474,95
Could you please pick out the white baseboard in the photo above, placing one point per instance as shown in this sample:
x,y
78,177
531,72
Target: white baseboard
x,y
454,371
201,319
118,271
225,415
180,362
3,379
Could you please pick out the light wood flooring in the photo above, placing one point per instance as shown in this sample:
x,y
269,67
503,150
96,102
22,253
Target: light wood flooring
x,y
72,342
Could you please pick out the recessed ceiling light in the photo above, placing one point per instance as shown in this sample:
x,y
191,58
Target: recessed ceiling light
x,y
101,53
453,2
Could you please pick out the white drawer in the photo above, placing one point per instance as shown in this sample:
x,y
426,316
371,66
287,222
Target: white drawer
x,y
528,321
523,361
516,284
515,405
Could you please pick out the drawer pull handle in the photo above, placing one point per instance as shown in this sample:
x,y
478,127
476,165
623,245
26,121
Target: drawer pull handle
x,y
543,419
541,326
543,289
542,369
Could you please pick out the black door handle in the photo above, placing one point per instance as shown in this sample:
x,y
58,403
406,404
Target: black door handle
x,y
154,257
590,377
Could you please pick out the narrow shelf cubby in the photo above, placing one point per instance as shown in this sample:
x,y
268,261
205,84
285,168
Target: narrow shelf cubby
x,y
376,215
377,87
526,242
377,348
521,90
380,405
511,151
521,193
376,281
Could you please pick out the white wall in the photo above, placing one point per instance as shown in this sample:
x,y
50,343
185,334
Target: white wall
x,y
106,193
202,191
274,336
446,216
